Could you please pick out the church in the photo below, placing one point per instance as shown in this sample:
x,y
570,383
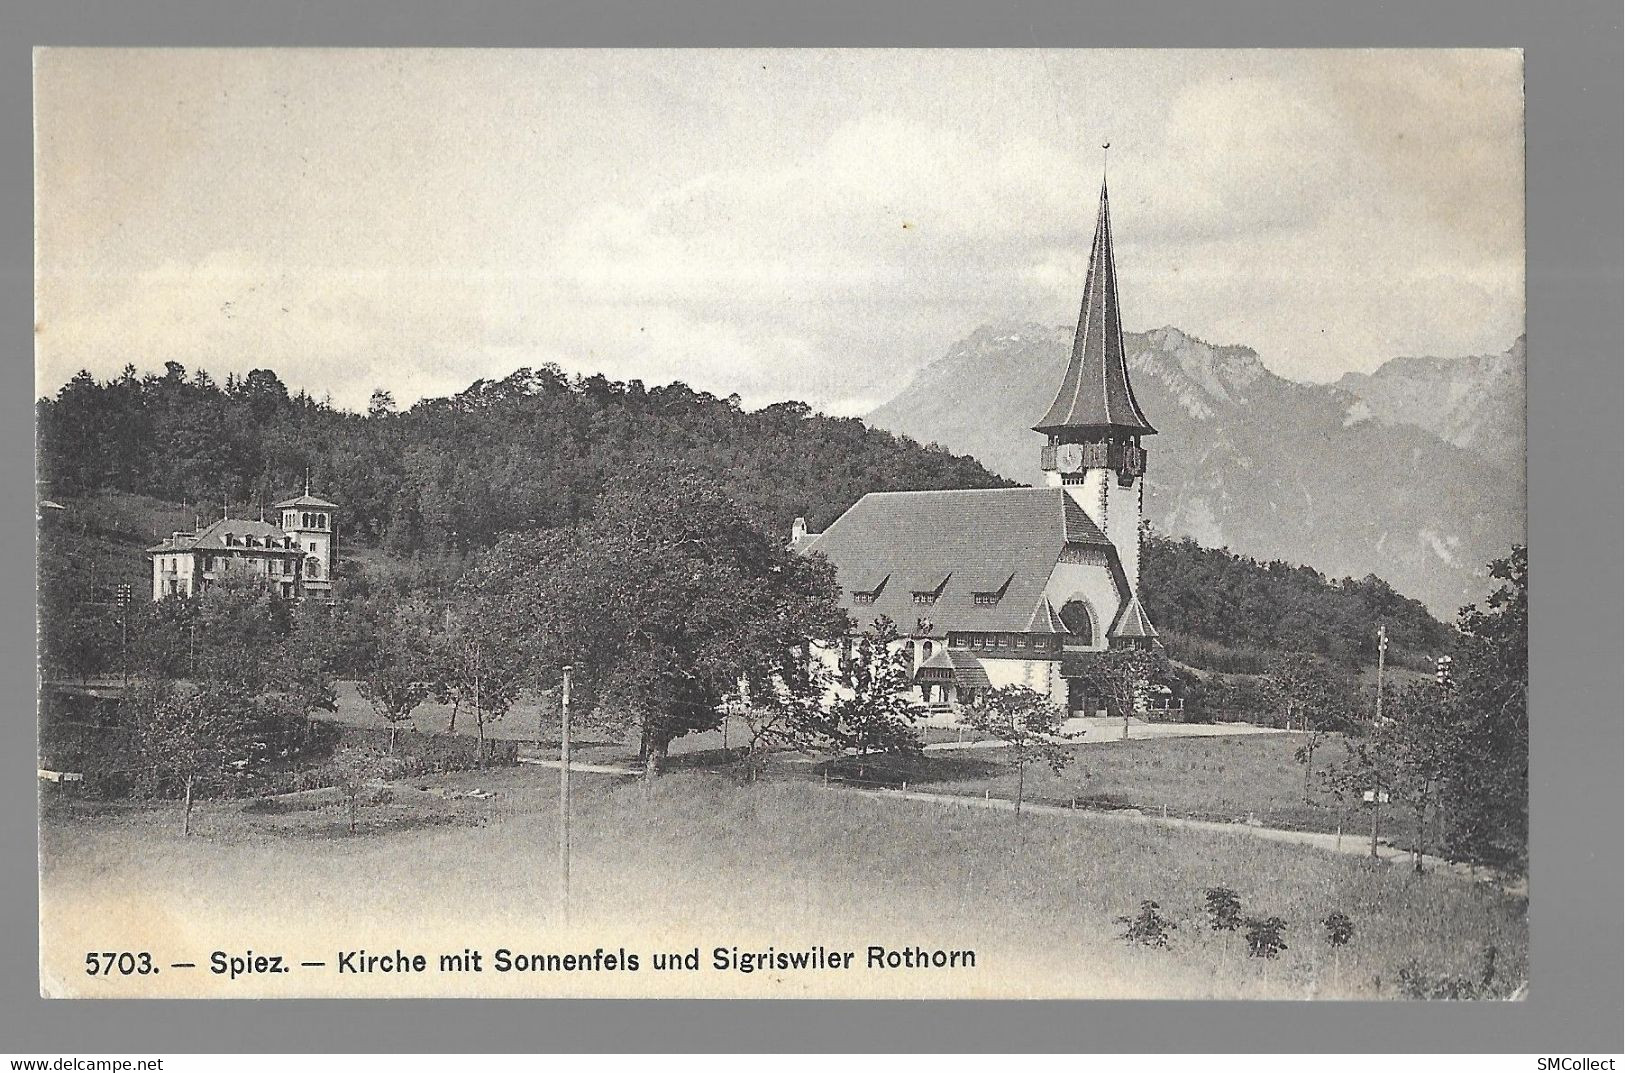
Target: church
x,y
1018,586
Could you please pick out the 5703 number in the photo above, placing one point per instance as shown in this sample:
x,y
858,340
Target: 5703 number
x,y
122,964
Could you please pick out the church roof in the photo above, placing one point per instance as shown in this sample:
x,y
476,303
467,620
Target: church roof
x,y
1095,394
306,500
1045,620
213,537
1132,621
979,558
968,671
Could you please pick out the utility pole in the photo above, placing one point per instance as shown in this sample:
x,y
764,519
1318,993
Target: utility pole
x,y
1382,651
1376,797
564,799
124,595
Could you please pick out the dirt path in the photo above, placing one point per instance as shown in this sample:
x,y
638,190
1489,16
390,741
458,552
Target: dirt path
x,y
1348,844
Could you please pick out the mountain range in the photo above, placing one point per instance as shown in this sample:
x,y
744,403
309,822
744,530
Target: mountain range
x,y
1413,473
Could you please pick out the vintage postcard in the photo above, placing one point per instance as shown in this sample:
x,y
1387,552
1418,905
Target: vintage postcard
x,y
1004,524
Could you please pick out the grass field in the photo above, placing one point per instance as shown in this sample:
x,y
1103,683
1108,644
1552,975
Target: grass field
x,y
1220,778
698,861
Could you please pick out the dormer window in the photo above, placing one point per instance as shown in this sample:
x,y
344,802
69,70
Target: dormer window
x,y
866,596
991,597
929,588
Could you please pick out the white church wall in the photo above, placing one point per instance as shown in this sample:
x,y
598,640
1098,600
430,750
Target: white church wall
x,y
1093,583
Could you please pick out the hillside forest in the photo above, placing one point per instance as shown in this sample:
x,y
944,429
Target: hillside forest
x,y
423,491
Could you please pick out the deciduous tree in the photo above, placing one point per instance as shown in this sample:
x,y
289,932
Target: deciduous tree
x,y
1028,723
876,710
663,601
183,739
1124,676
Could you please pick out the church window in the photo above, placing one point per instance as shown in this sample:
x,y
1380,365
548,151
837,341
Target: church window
x,y
1079,621
321,521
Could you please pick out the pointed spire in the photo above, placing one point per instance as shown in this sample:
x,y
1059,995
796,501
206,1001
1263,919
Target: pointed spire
x,y
1132,621
1095,393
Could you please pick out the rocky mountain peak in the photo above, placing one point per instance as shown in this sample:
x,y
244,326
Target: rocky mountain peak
x,y
1319,474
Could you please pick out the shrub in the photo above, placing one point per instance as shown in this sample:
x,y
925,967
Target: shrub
x,y
1266,937
1148,927
1223,908
1339,929
1417,983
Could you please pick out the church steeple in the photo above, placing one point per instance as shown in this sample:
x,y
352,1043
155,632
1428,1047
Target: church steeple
x,y
1095,423
1096,401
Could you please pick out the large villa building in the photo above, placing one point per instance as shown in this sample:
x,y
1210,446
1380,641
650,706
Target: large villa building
x,y
1018,586
295,557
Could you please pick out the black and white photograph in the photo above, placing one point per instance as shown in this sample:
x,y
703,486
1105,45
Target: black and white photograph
x,y
1024,523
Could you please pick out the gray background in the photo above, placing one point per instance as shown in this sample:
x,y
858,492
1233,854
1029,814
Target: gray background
x,y
1573,57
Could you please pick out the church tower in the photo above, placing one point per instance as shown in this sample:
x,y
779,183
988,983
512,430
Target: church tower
x,y
1095,424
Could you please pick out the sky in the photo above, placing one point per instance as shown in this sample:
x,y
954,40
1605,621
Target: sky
x,y
815,225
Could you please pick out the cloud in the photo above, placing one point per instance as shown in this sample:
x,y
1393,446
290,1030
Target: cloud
x,y
818,230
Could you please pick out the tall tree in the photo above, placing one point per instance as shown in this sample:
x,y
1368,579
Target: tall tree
x,y
663,601
1489,812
